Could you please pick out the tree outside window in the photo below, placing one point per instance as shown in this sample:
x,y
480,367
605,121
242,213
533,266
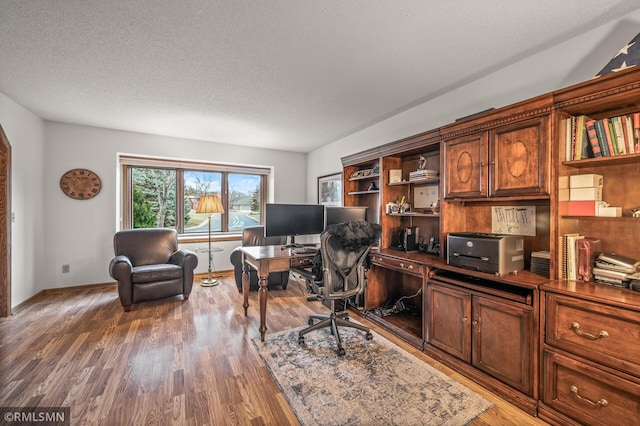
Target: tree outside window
x,y
154,192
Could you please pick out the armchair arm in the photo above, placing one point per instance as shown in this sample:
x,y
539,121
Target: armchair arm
x,y
236,258
120,269
188,261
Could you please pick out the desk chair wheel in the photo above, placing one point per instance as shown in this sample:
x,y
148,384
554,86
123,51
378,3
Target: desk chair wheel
x,y
310,321
369,336
341,352
300,340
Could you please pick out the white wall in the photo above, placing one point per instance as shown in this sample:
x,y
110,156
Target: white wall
x,y
25,132
79,233
574,61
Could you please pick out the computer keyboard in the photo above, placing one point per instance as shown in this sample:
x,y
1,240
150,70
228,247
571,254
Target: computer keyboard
x,y
304,250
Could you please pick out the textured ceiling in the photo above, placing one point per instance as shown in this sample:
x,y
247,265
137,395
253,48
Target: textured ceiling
x,y
282,74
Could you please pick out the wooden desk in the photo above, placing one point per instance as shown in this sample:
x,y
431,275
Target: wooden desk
x,y
267,259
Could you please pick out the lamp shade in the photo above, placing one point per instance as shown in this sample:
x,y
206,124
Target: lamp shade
x,y
209,204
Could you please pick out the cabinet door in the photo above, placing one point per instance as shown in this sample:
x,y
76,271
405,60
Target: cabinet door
x,y
519,162
448,320
465,166
503,342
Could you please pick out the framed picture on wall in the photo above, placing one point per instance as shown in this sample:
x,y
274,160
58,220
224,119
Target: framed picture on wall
x,y
330,190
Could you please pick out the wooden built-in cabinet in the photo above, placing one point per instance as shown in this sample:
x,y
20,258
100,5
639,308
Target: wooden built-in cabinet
x,y
501,332
489,325
591,354
503,153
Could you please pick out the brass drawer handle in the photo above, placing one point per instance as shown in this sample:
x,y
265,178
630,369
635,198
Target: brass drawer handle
x,y
601,402
576,328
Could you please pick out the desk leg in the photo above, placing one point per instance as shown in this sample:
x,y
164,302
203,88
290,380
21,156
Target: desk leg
x,y
262,293
245,285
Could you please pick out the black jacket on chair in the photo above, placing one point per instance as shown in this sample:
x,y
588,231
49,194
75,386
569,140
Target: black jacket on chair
x,y
254,236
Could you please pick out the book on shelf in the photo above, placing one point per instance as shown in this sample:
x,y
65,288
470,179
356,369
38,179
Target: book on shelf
x,y
636,132
619,134
569,256
582,141
602,139
593,138
587,250
628,133
613,149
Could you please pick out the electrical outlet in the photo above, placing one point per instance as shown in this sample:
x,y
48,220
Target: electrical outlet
x,y
65,269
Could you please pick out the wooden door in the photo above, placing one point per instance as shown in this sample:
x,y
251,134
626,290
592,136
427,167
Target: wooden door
x,y
503,342
466,166
448,320
5,225
519,163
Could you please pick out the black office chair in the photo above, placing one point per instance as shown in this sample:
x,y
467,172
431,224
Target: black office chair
x,y
344,249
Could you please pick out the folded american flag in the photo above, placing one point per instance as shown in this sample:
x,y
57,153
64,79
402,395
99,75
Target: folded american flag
x,y
627,57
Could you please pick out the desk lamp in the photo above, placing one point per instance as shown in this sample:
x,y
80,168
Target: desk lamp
x,y
210,204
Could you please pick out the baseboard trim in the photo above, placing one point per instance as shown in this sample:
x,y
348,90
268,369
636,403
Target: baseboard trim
x,y
55,290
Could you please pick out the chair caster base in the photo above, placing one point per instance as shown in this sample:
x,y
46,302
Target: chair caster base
x,y
300,340
341,351
369,336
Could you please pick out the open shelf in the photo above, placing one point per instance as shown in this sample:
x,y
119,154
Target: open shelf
x,y
415,214
364,192
415,182
372,176
603,161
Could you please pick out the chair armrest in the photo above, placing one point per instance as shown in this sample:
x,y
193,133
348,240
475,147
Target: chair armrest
x,y
184,258
236,257
120,268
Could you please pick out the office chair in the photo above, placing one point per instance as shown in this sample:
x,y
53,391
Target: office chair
x,y
344,249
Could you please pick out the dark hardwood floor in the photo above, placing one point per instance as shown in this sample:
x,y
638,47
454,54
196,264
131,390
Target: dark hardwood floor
x,y
165,362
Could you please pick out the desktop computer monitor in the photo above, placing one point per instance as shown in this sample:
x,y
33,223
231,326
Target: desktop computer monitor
x,y
345,214
290,220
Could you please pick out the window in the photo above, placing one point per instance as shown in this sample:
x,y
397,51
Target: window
x,y
152,189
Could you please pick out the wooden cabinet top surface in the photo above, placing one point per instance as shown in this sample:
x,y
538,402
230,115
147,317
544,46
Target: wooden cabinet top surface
x,y
521,279
620,297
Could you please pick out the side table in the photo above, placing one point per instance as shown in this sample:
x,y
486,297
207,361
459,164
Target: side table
x,y
209,282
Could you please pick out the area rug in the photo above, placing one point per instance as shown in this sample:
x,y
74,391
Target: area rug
x,y
375,383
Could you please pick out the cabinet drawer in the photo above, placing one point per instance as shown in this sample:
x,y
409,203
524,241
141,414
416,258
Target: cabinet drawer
x,y
604,334
584,392
406,266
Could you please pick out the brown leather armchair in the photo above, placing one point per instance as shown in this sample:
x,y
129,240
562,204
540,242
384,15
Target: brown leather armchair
x,y
254,236
149,266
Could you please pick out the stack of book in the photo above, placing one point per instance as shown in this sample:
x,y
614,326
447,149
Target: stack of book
x,y
616,270
423,174
607,137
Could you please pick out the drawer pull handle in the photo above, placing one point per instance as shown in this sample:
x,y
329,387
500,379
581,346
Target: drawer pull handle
x,y
601,402
600,335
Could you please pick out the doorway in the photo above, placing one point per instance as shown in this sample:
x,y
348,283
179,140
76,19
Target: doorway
x,y
5,225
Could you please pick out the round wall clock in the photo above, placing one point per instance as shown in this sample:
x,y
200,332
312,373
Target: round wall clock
x,y
80,184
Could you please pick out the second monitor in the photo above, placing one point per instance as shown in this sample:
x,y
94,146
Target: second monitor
x,y
335,215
